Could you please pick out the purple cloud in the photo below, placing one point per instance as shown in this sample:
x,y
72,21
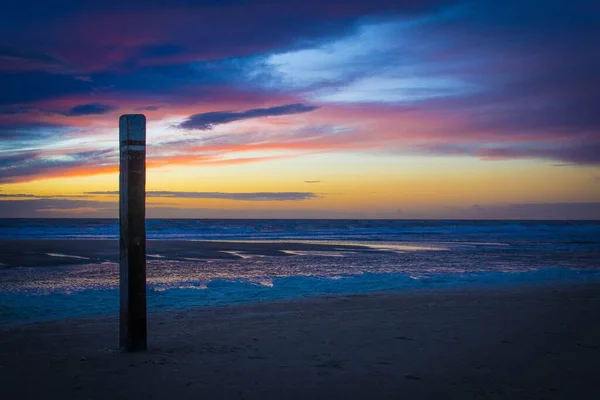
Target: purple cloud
x,y
206,121
583,154
90,109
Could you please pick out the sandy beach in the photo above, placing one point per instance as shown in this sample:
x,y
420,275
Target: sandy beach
x,y
503,342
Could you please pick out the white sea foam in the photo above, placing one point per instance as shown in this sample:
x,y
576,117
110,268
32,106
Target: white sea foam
x,y
314,253
238,254
401,246
195,287
263,282
66,256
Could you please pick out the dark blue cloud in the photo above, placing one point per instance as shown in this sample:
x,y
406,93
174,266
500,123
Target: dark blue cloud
x,y
548,16
208,120
157,80
185,53
183,81
90,109
17,59
27,86
202,30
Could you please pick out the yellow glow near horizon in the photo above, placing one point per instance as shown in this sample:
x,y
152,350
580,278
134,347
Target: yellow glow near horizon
x,y
351,183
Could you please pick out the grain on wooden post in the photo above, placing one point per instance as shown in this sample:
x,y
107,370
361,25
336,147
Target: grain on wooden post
x,y
132,215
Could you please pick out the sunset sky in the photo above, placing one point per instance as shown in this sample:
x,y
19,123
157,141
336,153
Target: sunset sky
x,y
304,109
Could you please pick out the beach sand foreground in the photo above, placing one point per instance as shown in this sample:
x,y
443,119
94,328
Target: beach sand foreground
x,y
504,342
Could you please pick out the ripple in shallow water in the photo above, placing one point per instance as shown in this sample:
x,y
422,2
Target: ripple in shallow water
x,y
168,273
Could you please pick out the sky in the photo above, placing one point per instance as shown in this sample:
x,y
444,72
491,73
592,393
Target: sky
x,y
304,109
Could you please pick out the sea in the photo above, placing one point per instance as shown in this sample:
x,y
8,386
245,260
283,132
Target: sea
x,y
360,256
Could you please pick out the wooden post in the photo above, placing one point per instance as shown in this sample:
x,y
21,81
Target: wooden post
x,y
132,215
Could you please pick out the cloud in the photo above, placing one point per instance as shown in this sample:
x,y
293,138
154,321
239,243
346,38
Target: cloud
x,y
537,211
564,151
149,108
97,37
19,166
109,209
312,181
90,109
27,86
206,121
253,196
35,196
505,81
31,208
12,160
517,211
17,195
18,60
491,79
31,131
377,62
583,154
32,165
488,86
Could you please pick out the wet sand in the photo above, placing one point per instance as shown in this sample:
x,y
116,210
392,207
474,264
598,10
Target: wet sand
x,y
48,253
502,342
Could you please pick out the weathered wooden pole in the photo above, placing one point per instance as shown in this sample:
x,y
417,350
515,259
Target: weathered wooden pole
x,y
132,215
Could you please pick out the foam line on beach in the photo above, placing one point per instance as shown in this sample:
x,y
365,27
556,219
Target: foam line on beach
x,y
437,246
195,287
238,254
67,256
313,253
